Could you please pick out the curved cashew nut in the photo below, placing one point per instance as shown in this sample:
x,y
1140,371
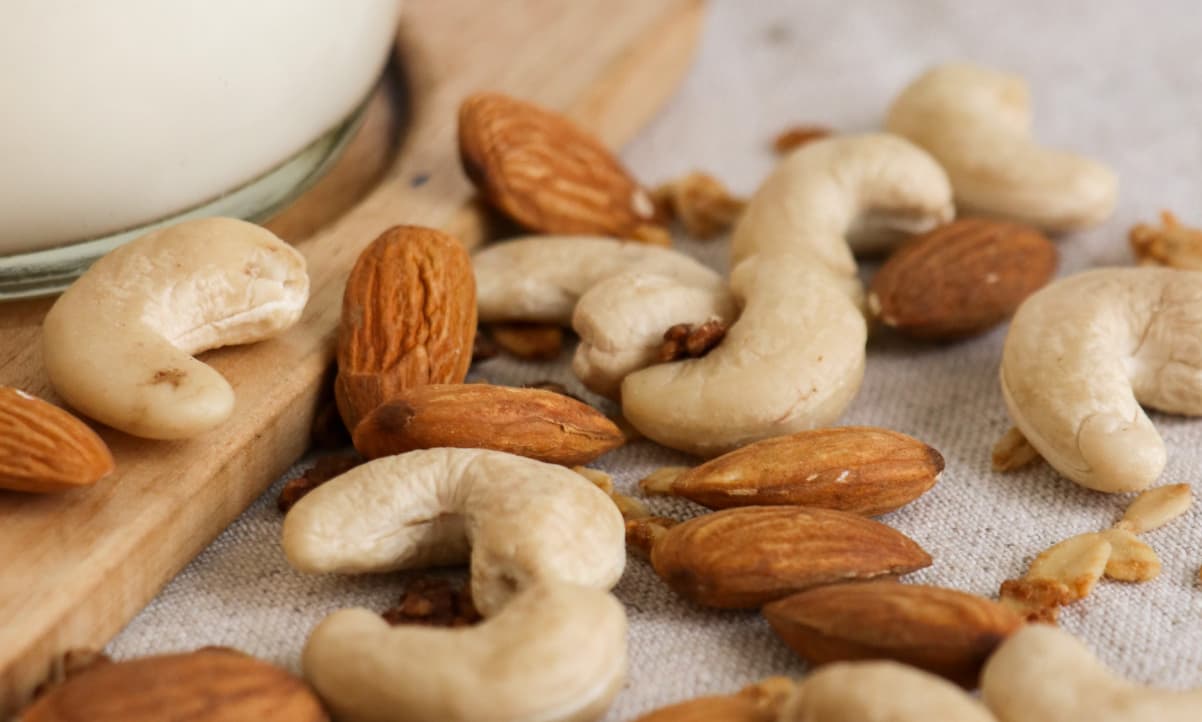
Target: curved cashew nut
x,y
977,123
1044,673
621,323
119,343
556,653
795,358
540,278
524,521
1083,353
882,692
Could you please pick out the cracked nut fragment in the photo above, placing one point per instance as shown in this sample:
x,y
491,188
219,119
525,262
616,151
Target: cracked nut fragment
x,y
1131,559
1156,507
642,533
1061,574
659,482
630,507
1170,244
325,468
528,341
434,602
1013,451
798,135
701,203
759,702
685,340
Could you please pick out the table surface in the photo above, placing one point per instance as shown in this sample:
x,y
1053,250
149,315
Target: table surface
x,y
1115,81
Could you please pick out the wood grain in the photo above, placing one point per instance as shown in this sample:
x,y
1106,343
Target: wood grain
x,y
74,568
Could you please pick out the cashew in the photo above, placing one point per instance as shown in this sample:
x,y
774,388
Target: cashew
x,y
1083,354
882,692
977,123
119,343
524,521
556,652
795,357
1044,673
540,278
621,323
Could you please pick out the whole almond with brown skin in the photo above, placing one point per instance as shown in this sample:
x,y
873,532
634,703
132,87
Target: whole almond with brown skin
x,y
962,278
408,319
214,685
44,449
534,423
745,557
547,173
944,631
859,469
759,702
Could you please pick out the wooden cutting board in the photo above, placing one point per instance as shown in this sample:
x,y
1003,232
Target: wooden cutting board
x,y
74,568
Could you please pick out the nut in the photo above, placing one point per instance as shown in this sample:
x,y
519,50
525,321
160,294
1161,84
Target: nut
x,y
533,423
529,341
942,631
547,173
1086,352
881,692
1156,507
1059,575
1172,244
525,522
745,557
686,340
630,507
408,319
759,702
961,279
555,653
324,469
977,123
434,602
1045,674
701,203
119,343
796,136
857,469
1013,451
1131,560
45,449
215,684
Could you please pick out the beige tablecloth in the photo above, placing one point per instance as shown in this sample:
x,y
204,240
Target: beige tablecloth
x,y
1120,81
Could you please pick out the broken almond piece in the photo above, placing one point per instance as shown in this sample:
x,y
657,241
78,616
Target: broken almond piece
x,y
701,203
1062,574
1013,451
529,341
642,533
1131,559
630,507
1170,244
659,482
1156,507
797,136
1036,600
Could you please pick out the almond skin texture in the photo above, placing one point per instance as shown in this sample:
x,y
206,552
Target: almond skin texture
x,y
546,173
214,685
943,631
857,469
534,423
745,557
408,319
45,449
961,279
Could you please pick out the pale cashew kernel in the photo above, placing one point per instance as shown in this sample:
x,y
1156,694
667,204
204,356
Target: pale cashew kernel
x,y
555,653
119,343
977,123
1083,353
881,692
1043,673
524,522
795,357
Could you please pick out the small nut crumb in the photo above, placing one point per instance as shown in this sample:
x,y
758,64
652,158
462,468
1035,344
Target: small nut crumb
x,y
1013,451
1131,559
1036,600
630,507
1170,244
701,203
659,482
554,387
529,341
602,480
642,533
1156,507
483,347
770,693
1059,575
68,665
326,468
684,340
434,602
797,136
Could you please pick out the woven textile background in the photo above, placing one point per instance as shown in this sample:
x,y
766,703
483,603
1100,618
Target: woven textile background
x,y
1120,81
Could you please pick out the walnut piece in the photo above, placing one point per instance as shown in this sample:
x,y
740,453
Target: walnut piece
x,y
434,602
684,340
797,136
324,469
1170,244
701,203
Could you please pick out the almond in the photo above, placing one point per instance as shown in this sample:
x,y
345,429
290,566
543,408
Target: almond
x,y
529,341
408,319
943,631
534,423
962,278
548,174
857,469
759,702
745,557
216,685
43,448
